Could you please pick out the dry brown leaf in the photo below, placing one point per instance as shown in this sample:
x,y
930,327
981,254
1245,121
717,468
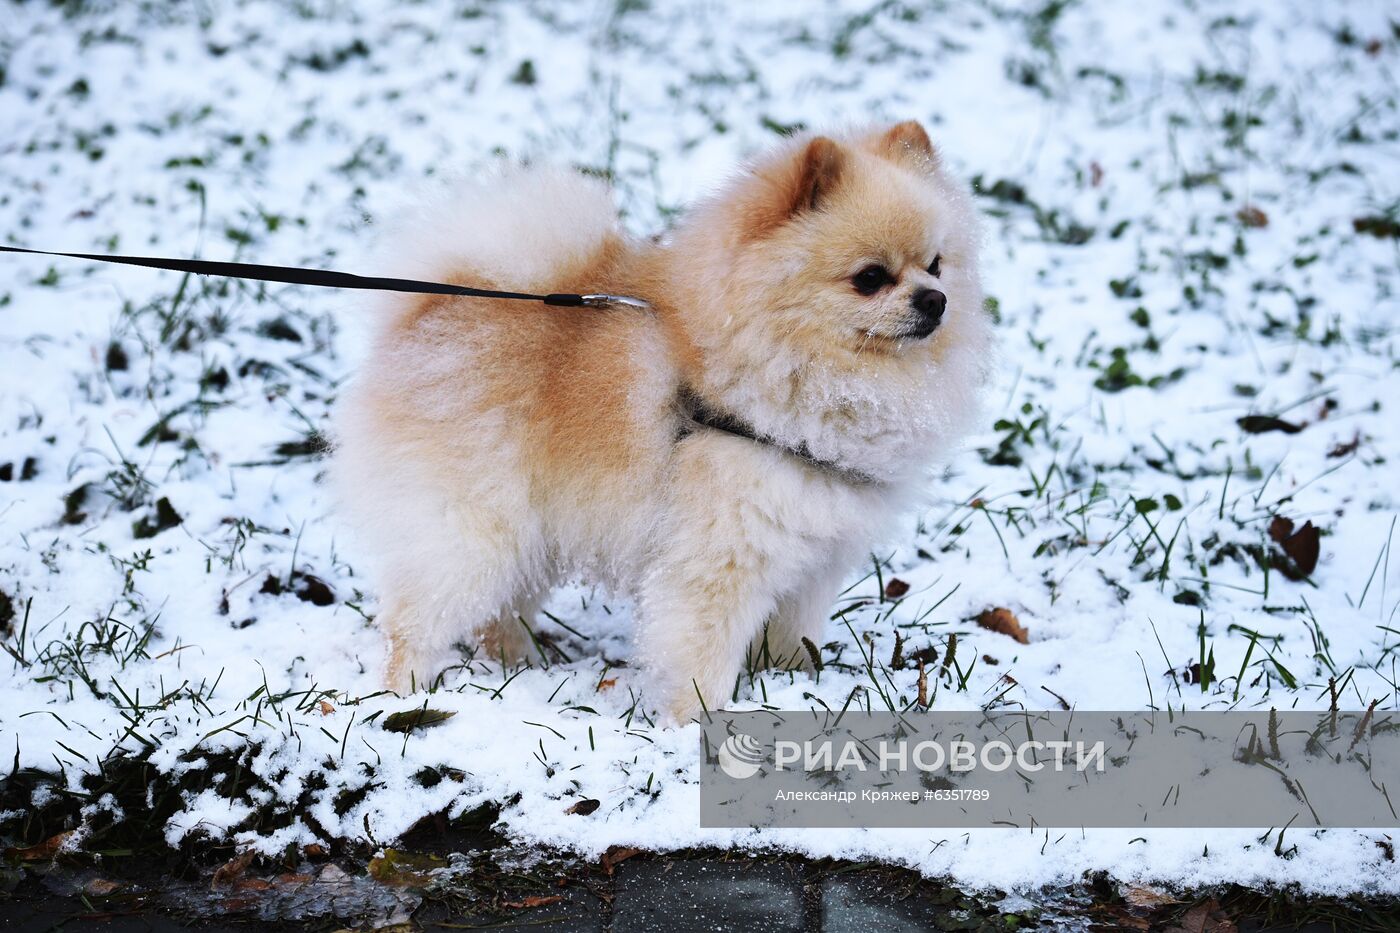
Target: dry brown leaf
x,y
928,655
39,853
1207,917
895,588
1345,449
232,870
326,708
607,684
293,877
1003,622
252,884
617,855
100,887
583,807
534,900
1303,547
1251,216
1382,228
1143,896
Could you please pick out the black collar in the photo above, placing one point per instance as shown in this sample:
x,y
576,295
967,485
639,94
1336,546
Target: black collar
x,y
696,412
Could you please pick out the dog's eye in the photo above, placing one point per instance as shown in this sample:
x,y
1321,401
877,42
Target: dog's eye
x,y
871,279
935,268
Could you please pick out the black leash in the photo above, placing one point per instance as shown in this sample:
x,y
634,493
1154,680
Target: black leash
x,y
695,410
327,278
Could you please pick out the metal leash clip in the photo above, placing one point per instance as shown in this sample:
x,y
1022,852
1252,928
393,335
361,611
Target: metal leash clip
x,y
621,301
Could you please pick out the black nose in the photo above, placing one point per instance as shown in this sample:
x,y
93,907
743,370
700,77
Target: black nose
x,y
930,303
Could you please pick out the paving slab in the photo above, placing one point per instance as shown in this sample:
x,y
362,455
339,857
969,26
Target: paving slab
x,y
664,896
856,905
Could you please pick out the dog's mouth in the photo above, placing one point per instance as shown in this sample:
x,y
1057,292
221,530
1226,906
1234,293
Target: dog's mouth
x,y
918,331
891,342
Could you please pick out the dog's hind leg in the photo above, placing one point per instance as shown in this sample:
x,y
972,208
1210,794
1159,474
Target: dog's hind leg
x,y
419,641
421,638
476,576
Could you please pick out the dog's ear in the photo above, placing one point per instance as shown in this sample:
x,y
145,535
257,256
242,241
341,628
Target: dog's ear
x,y
819,170
795,185
907,142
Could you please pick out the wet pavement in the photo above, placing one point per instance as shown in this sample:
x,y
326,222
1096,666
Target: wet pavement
x,y
447,878
641,894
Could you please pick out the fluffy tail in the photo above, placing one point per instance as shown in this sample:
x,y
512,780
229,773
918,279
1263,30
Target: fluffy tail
x,y
517,228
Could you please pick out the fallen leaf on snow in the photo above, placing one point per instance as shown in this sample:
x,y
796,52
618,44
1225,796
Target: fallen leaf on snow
x,y
1345,449
1003,622
1382,228
1251,216
1303,547
1263,424
411,719
583,807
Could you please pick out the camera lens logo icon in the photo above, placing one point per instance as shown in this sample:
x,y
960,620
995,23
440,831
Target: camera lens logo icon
x,y
740,756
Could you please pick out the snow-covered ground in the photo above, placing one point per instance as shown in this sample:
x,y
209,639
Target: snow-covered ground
x,y
1192,219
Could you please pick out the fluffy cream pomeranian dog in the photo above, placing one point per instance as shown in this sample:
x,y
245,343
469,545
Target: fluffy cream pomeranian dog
x,y
816,340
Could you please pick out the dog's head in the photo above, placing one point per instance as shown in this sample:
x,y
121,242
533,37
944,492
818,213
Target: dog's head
x,y
851,248
830,295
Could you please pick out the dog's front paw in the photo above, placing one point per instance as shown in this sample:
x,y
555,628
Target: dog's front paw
x,y
410,669
508,642
401,677
679,713
692,701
